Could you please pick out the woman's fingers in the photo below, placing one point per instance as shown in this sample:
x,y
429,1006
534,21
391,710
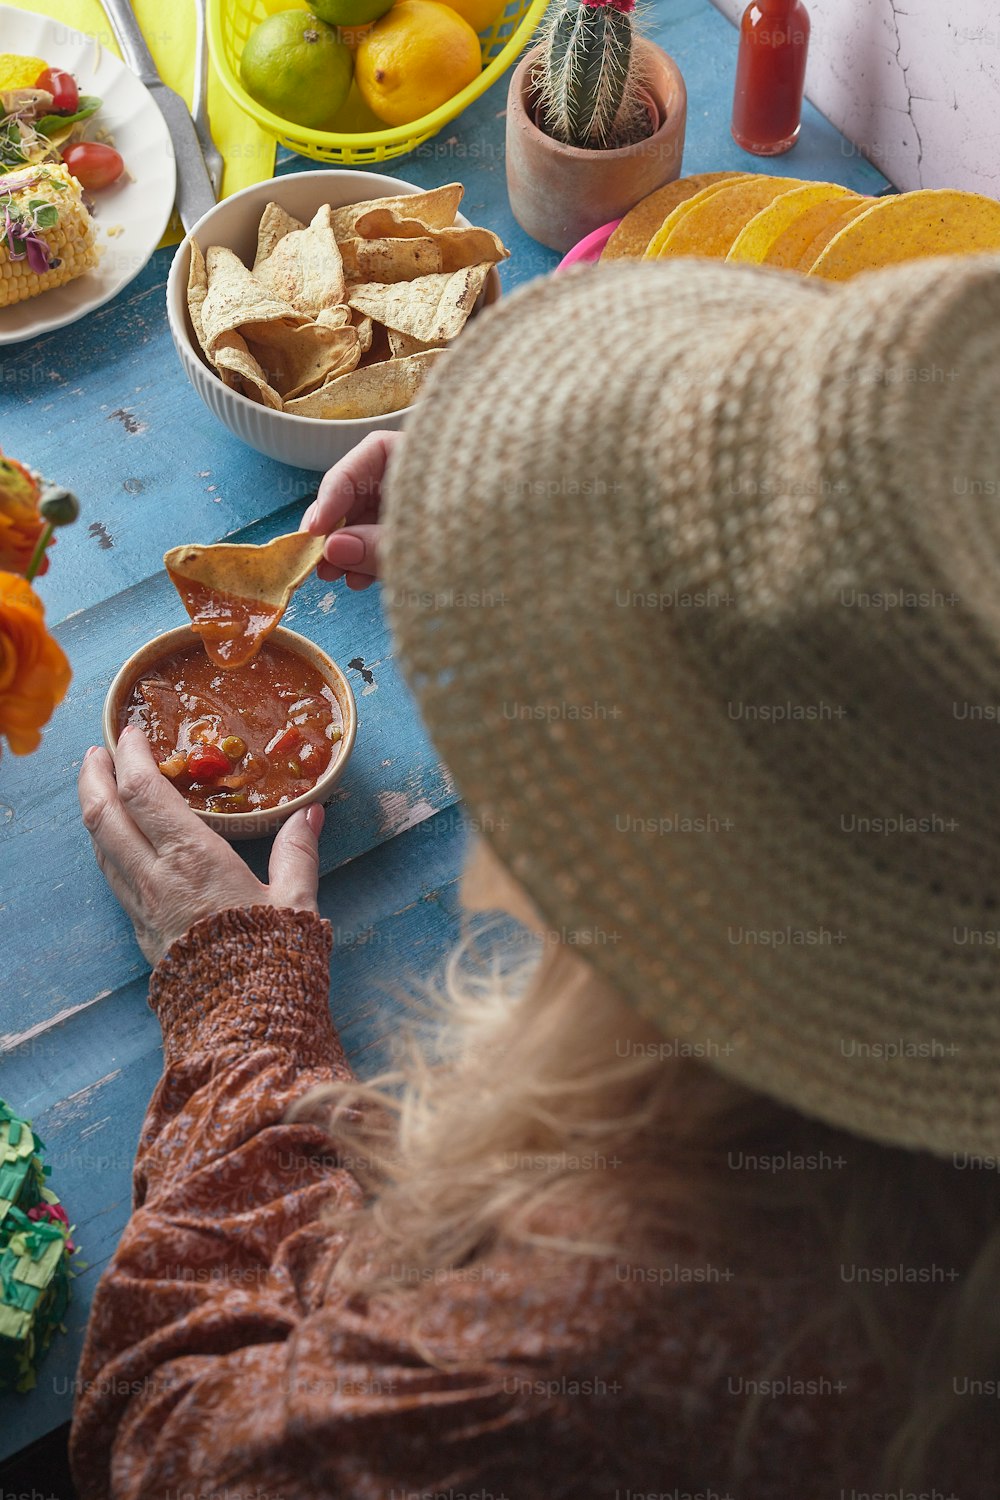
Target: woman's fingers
x,y
293,869
105,818
156,807
354,551
351,485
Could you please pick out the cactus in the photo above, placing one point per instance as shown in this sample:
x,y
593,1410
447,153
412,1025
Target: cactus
x,y
587,86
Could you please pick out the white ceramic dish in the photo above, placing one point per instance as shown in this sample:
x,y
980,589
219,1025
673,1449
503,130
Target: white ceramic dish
x,y
307,442
262,823
137,207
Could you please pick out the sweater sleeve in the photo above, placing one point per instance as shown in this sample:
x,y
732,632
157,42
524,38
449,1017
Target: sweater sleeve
x,y
221,1361
225,1251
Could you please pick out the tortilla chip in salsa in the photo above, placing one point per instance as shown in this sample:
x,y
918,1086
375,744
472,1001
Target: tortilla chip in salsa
x,y
236,594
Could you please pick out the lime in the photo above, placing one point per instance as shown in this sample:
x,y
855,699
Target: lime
x,y
297,67
349,12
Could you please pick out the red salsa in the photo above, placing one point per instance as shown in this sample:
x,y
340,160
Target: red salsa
x,y
239,738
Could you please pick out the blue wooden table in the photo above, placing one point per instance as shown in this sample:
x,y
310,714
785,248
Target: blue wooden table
x,y
104,408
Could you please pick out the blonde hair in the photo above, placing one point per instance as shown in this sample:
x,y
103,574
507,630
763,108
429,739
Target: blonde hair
x,y
529,1103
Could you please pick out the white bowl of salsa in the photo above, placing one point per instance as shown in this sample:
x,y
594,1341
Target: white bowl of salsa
x,y
246,746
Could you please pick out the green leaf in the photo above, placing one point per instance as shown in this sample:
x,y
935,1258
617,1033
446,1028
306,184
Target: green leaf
x,y
49,124
46,216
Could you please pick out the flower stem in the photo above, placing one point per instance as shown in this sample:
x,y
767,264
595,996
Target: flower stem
x,y
39,552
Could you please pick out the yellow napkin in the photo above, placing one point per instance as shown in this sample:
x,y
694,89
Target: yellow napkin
x,y
169,27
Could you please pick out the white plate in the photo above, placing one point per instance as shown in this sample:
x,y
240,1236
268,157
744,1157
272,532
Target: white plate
x,y
139,205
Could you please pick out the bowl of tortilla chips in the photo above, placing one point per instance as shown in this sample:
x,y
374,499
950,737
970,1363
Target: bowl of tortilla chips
x,y
309,310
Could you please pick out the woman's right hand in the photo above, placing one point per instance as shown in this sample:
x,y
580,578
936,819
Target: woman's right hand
x,y
352,492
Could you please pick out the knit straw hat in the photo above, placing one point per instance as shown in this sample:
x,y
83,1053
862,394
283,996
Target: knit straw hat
x,y
695,570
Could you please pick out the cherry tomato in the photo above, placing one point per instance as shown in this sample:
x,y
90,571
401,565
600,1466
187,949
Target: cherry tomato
x,y
94,165
62,87
206,762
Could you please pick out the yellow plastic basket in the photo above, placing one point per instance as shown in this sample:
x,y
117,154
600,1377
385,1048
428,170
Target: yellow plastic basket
x,y
363,139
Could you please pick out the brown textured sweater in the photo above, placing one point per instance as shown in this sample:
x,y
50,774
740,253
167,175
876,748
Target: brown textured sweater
x,y
217,1367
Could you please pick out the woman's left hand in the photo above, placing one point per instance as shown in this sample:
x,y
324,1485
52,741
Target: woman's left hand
x,y
169,869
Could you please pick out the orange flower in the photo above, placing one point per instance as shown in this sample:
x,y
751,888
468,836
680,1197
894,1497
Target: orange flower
x,y
34,672
20,522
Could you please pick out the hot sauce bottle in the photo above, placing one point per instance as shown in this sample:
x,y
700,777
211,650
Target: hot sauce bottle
x,y
770,76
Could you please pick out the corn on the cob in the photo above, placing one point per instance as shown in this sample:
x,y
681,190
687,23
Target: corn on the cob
x,y
68,244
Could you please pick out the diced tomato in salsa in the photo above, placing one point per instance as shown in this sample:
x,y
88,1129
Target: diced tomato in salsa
x,y
290,739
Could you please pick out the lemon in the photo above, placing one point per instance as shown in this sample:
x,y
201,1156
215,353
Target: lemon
x,y
349,13
414,59
297,67
480,14
273,6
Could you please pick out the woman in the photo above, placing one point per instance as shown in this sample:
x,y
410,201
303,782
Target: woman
x,y
689,1195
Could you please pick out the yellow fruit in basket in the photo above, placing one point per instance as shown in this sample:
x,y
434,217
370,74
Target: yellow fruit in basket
x,y
415,59
297,67
480,14
274,6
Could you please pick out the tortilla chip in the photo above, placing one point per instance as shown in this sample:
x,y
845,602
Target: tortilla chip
x,y
458,247
912,226
249,589
402,344
708,224
371,391
335,317
431,308
275,223
197,291
640,224
242,372
389,261
305,267
793,220
297,360
435,210
236,298
364,326
349,256
268,572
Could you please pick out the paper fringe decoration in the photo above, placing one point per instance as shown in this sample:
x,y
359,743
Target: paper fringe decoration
x,y
35,1254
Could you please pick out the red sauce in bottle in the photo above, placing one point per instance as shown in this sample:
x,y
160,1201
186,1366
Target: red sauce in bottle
x,y
770,76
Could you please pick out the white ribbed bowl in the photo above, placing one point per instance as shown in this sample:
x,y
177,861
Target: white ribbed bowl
x,y
307,442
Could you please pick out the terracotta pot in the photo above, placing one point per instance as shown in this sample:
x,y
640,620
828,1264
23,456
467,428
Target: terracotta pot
x,y
560,193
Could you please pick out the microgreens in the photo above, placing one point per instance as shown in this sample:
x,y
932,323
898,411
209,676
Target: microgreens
x,y
21,225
